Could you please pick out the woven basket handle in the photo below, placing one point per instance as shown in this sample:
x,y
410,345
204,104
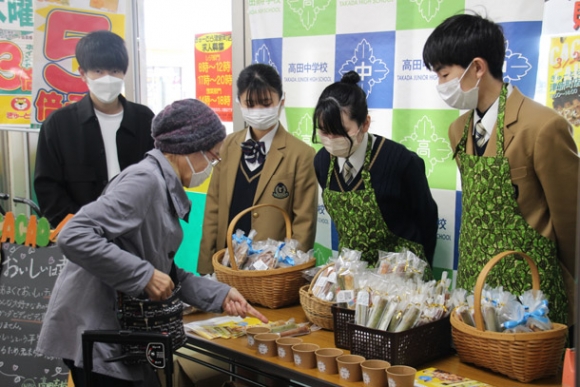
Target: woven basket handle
x,y
479,324
239,216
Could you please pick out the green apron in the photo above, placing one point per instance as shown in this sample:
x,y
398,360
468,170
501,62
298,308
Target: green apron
x,y
492,223
358,219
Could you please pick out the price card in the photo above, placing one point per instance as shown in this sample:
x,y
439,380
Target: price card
x,y
345,296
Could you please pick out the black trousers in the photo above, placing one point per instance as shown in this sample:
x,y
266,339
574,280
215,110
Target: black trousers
x,y
99,380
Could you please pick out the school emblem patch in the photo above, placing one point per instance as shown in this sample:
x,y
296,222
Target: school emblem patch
x,y
280,192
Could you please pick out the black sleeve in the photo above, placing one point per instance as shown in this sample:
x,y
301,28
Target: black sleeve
x,y
321,164
132,147
424,208
49,185
148,116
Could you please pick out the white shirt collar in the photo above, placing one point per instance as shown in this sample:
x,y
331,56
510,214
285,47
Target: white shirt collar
x,y
490,117
267,139
357,159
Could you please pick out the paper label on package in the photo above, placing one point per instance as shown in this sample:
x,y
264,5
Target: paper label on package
x,y
260,265
320,282
345,296
332,277
363,298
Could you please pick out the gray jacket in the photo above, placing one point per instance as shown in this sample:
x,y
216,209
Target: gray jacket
x,y
114,244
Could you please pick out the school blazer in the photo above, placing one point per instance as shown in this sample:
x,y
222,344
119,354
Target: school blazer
x,y
289,167
543,159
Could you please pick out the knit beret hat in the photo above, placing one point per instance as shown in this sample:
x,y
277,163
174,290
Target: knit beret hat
x,y
187,126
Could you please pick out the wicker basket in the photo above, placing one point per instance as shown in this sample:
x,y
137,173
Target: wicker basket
x,y
521,356
317,311
270,288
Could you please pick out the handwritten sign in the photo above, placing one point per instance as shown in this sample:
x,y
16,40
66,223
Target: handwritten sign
x,y
27,277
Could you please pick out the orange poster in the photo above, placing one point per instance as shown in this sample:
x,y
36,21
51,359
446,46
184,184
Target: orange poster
x,y
213,72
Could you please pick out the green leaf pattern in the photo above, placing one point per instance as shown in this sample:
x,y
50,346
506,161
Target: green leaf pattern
x,y
359,222
492,223
428,8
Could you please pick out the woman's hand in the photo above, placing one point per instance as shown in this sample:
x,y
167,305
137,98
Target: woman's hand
x,y
160,286
236,305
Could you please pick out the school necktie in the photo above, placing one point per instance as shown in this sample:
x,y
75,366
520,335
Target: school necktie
x,y
348,172
479,134
254,151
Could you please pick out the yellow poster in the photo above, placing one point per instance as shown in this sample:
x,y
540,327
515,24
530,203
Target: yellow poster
x,y
15,109
564,80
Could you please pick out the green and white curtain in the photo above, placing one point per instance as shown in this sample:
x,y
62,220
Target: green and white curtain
x,y
312,43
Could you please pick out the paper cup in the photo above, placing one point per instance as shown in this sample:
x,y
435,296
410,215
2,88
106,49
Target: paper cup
x,y
349,367
252,331
304,355
326,360
284,345
401,376
266,344
373,372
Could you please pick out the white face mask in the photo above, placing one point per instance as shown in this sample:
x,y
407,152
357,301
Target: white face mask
x,y
262,118
197,178
106,89
339,146
455,97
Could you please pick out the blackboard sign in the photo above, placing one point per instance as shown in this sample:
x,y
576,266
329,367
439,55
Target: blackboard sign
x,y
26,280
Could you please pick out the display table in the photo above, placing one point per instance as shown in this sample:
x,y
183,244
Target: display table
x,y
239,357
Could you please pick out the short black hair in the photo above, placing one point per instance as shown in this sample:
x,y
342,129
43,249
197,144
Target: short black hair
x,y
259,80
102,50
461,38
346,96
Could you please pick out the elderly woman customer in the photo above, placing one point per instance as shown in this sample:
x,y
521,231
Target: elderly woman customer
x,y
125,243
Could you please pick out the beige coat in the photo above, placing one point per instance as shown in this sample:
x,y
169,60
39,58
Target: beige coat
x,y
544,161
290,161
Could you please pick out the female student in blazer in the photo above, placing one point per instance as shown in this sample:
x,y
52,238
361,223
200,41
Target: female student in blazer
x,y
262,163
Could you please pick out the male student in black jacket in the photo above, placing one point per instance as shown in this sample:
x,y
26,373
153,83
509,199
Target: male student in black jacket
x,y
83,145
